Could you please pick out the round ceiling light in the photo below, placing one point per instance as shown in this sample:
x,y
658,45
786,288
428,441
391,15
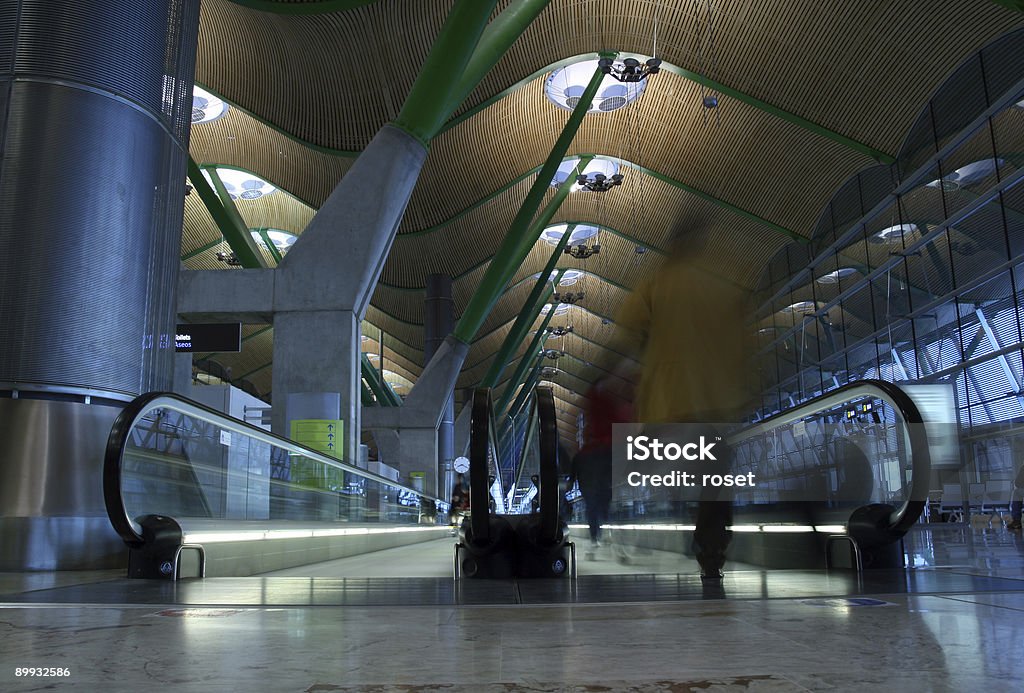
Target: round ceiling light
x,y
566,85
242,184
282,240
834,277
553,234
603,166
206,106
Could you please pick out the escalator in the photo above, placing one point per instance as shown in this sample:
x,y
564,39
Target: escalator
x,y
528,544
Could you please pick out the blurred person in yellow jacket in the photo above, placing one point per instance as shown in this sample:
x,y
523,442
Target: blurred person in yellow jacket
x,y
687,326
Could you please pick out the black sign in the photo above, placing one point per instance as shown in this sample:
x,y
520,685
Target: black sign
x,y
210,337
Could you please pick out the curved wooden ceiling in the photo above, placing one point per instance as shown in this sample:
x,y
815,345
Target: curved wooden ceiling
x,y
309,90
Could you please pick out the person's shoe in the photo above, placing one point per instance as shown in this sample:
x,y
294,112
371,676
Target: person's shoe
x,y
1015,524
711,563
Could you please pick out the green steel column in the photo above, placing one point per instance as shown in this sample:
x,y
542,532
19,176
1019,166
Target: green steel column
x,y
524,363
380,388
1012,4
542,291
218,203
497,38
506,260
426,107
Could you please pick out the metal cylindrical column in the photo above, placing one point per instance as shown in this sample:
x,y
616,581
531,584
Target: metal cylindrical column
x,y
95,108
438,322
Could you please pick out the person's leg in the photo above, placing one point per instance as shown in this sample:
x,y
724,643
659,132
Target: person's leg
x,y
711,537
714,515
593,518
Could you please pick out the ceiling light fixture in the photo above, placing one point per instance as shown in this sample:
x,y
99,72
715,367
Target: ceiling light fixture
x,y
230,259
582,251
593,169
599,182
569,298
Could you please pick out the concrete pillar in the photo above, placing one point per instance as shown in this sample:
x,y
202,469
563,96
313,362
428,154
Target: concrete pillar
x,y
438,322
316,371
95,108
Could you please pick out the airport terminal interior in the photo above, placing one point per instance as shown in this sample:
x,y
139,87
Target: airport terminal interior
x,y
318,318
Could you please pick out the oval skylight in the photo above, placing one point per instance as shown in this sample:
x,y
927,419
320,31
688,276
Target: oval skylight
x,y
800,307
834,277
206,106
242,184
282,240
562,309
893,233
595,166
553,234
569,277
565,86
967,175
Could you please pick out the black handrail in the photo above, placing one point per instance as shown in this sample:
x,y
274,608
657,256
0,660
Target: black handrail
x,y
896,523
479,445
550,514
118,440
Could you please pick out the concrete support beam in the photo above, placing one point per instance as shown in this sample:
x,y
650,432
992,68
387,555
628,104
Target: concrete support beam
x,y
336,262
226,296
316,355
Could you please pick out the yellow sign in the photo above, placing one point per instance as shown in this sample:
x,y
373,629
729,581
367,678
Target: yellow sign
x,y
323,435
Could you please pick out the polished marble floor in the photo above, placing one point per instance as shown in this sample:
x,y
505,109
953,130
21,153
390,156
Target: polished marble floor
x,y
954,623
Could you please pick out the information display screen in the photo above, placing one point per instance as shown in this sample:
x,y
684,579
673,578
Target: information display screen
x,y
222,337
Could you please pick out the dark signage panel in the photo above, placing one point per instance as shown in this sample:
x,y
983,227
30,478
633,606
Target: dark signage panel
x,y
209,337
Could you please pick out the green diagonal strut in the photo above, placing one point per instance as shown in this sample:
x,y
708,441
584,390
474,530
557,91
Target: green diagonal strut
x,y
426,106
229,221
540,294
518,241
526,389
497,38
524,363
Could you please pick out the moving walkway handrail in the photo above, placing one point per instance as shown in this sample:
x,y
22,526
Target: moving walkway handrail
x,y
548,463
903,517
480,437
143,404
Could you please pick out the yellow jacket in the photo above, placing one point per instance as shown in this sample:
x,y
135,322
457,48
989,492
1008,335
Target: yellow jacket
x,y
687,325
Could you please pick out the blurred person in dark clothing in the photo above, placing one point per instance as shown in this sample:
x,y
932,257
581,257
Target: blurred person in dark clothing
x,y
1016,500
592,466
